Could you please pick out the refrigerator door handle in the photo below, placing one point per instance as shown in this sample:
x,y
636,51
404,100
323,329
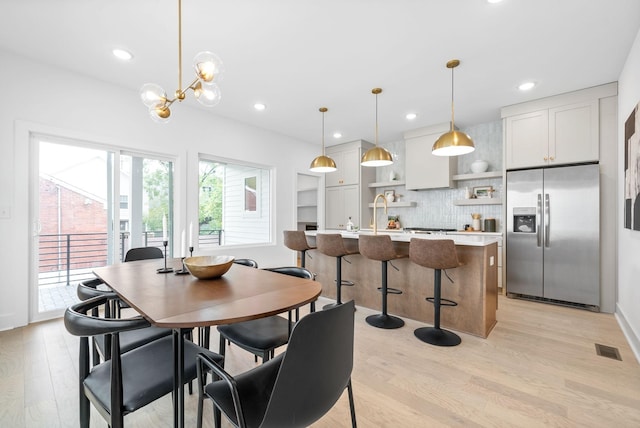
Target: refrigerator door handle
x,y
547,208
538,215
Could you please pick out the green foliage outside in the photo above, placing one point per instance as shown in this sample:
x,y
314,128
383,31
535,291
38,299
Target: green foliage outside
x,y
157,177
210,206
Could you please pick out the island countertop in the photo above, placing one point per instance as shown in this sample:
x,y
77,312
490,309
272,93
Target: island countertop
x,y
400,236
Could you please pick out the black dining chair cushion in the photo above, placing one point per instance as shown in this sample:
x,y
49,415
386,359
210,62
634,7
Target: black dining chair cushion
x,y
254,387
257,335
262,336
141,384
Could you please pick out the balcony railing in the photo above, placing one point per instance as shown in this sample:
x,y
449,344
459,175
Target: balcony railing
x,y
70,258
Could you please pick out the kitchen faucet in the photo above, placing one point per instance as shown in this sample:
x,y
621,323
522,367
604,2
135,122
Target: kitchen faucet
x,y
375,205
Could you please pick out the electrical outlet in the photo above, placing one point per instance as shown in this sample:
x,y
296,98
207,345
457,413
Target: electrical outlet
x,y
491,261
5,212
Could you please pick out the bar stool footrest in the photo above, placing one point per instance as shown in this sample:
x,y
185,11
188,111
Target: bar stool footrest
x,y
443,302
391,290
345,282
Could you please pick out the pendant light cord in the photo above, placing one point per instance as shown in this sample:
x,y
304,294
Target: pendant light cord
x,y
376,120
180,45
322,133
452,125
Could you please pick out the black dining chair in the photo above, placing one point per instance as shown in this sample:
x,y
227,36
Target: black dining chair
x,y
133,255
131,380
294,389
262,336
131,339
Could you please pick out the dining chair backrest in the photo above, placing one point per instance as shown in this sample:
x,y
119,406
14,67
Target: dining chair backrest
x,y
316,368
143,253
246,262
297,271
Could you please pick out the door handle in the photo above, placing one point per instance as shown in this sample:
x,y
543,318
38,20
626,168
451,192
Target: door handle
x,y
538,215
547,210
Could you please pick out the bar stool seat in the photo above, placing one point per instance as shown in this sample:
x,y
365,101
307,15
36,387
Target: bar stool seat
x,y
436,254
380,248
332,245
296,240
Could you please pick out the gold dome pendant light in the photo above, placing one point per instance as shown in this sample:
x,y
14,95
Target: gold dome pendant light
x,y
376,156
453,143
322,163
208,67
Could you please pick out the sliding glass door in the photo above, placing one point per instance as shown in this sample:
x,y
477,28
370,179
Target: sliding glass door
x,y
91,205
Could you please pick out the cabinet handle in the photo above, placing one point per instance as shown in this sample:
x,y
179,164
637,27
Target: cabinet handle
x,y
544,158
551,158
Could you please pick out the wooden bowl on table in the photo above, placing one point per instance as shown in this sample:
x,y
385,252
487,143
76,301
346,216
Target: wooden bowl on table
x,y
208,267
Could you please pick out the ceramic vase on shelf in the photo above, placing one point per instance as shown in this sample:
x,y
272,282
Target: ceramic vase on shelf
x,y
475,223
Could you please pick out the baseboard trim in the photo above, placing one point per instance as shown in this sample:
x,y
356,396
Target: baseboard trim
x,y
627,330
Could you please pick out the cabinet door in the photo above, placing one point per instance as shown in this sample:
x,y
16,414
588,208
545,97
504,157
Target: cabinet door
x,y
342,203
348,168
527,139
424,170
574,133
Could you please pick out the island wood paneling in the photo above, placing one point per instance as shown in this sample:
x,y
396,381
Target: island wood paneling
x,y
474,287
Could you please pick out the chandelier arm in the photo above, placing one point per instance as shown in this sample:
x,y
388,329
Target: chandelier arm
x,y
192,86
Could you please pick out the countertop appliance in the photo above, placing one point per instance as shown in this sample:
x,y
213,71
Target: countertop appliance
x,y
553,235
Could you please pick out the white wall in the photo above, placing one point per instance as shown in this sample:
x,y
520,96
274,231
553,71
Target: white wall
x,y
628,240
37,96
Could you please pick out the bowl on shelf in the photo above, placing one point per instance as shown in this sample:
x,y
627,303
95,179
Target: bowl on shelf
x,y
208,267
479,166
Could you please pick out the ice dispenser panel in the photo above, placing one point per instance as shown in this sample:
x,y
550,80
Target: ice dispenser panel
x,y
524,219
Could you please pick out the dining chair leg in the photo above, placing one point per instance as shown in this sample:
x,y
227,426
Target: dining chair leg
x,y
221,347
351,405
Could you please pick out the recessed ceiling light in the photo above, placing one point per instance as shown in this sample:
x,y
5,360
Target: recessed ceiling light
x,y
411,116
494,1
337,135
259,106
526,86
122,54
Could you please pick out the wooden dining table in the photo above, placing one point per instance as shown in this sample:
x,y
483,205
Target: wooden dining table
x,y
182,302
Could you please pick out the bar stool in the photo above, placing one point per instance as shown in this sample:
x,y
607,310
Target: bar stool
x,y
296,240
332,245
436,254
380,247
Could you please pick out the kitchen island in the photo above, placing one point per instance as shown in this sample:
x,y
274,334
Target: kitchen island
x,y
474,286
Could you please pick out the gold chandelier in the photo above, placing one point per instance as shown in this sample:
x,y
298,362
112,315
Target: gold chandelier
x,y
376,156
453,143
208,67
322,163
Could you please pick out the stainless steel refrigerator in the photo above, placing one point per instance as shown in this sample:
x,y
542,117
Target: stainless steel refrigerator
x,y
553,234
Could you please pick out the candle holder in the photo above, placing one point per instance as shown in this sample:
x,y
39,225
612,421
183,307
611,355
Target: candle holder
x,y
184,269
165,269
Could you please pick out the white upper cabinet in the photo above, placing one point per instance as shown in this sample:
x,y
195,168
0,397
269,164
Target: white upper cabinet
x,y
422,169
558,130
347,192
348,166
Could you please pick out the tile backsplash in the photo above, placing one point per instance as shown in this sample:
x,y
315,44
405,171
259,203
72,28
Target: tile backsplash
x,y
435,207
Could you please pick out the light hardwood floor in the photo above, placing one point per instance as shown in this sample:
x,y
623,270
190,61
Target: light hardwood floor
x,y
538,368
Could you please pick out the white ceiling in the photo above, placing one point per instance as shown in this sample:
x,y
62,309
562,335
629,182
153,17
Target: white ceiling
x,y
298,55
